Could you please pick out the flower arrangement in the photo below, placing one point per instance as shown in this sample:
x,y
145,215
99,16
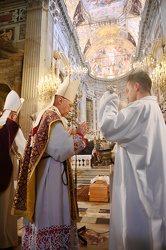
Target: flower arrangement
x,y
47,87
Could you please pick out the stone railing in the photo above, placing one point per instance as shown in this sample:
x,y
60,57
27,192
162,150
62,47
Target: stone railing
x,y
81,161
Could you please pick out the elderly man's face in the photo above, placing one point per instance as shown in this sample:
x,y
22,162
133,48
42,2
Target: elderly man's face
x,y
66,107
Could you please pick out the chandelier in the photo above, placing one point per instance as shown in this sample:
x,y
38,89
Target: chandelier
x,y
48,86
158,77
157,72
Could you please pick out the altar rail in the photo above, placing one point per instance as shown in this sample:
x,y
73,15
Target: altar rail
x,y
81,161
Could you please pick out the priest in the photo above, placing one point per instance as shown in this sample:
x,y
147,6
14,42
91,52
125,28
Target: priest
x,y
138,209
45,195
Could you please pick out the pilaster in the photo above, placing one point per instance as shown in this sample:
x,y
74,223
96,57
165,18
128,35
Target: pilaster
x,y
34,59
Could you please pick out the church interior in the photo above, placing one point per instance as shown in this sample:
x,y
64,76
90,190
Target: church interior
x,y
99,42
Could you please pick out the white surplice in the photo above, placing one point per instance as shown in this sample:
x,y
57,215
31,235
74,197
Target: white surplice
x,y
138,209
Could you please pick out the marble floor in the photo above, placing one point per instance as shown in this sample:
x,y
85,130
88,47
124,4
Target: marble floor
x,y
94,218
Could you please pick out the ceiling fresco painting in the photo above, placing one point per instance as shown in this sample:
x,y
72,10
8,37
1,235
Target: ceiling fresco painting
x,y
108,33
100,9
110,61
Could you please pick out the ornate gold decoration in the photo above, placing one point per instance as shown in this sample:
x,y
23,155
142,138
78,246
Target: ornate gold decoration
x,y
48,86
157,72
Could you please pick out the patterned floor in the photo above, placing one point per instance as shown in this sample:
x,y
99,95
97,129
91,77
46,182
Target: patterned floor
x,y
94,212
95,218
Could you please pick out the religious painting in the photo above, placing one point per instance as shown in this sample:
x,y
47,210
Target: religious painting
x,y
78,16
108,33
136,8
110,62
104,9
71,7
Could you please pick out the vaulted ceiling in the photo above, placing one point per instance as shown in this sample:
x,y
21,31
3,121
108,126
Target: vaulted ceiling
x,y
108,33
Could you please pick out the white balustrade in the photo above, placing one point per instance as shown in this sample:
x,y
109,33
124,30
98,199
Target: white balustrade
x,y
81,161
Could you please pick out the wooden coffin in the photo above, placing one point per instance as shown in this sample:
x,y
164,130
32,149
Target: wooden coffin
x,y
99,191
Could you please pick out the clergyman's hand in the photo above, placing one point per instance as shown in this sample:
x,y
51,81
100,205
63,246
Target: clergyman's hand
x,y
82,128
72,131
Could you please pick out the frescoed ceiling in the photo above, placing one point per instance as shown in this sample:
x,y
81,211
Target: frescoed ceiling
x,y
108,33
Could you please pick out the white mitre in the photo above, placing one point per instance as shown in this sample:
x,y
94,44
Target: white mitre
x,y
66,89
12,103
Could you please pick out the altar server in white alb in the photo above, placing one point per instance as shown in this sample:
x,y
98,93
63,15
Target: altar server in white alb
x,y
138,206
45,196
12,145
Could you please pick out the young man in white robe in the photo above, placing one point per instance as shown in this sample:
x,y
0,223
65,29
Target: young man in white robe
x,y
138,207
12,145
46,196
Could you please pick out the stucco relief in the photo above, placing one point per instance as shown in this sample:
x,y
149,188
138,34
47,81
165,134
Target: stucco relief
x,y
54,10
